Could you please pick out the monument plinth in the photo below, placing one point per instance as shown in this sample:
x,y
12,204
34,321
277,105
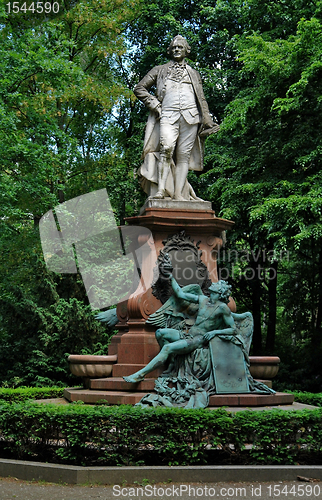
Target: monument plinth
x,y
192,238
192,235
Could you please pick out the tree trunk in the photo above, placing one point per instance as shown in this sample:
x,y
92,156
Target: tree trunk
x,y
272,305
317,335
256,308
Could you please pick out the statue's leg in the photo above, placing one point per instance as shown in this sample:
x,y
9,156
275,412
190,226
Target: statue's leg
x,y
166,335
186,140
168,137
163,172
181,346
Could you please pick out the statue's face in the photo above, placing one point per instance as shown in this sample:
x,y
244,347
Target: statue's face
x,y
214,295
178,50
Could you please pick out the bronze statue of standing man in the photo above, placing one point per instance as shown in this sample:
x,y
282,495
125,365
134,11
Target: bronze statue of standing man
x,y
178,122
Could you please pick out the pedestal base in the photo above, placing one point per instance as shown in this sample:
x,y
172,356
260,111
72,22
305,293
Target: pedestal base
x,y
130,394
168,203
192,235
196,236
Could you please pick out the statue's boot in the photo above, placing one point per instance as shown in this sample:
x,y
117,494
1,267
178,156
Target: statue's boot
x,y
163,172
159,195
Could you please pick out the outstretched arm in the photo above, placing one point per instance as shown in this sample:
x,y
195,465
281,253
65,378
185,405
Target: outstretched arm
x,y
229,322
191,297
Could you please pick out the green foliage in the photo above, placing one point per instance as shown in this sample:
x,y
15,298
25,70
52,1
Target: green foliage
x,y
69,124
126,435
58,85
25,393
278,437
264,173
308,398
52,318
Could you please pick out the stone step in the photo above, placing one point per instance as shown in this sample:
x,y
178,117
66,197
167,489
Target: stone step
x,y
90,396
115,397
119,384
279,398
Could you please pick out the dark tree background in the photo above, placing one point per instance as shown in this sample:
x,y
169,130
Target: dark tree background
x,y
70,124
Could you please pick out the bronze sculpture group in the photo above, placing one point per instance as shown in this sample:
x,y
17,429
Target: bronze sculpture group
x,y
188,322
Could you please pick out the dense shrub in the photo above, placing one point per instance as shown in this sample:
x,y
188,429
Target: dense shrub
x,y
25,393
126,435
308,398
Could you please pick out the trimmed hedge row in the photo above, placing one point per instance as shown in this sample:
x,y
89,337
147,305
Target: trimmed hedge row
x,y
308,398
126,435
25,393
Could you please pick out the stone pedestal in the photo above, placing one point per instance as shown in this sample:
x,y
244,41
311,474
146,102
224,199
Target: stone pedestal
x,y
189,231
192,235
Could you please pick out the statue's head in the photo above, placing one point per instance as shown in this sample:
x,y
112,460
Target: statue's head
x,y
179,41
223,290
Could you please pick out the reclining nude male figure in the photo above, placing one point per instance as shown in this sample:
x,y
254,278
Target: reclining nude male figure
x,y
213,318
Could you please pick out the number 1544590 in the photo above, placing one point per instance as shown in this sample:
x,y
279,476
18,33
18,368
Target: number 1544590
x,y
33,7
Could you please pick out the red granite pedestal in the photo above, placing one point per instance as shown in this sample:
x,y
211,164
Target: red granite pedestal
x,y
135,344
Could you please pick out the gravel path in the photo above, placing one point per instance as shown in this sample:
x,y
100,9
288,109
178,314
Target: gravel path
x,y
11,488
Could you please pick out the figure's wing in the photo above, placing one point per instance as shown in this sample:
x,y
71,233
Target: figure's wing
x,y
245,327
173,307
159,317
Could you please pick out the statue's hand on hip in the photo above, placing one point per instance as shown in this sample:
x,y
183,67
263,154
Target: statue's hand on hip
x,y
157,111
209,130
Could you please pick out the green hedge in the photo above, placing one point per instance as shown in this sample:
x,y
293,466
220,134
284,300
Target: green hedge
x,y
308,398
25,393
126,435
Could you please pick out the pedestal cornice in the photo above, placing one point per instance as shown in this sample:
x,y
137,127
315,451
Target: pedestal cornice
x,y
163,219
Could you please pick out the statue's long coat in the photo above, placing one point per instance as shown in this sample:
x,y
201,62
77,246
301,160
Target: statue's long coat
x,y
157,77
